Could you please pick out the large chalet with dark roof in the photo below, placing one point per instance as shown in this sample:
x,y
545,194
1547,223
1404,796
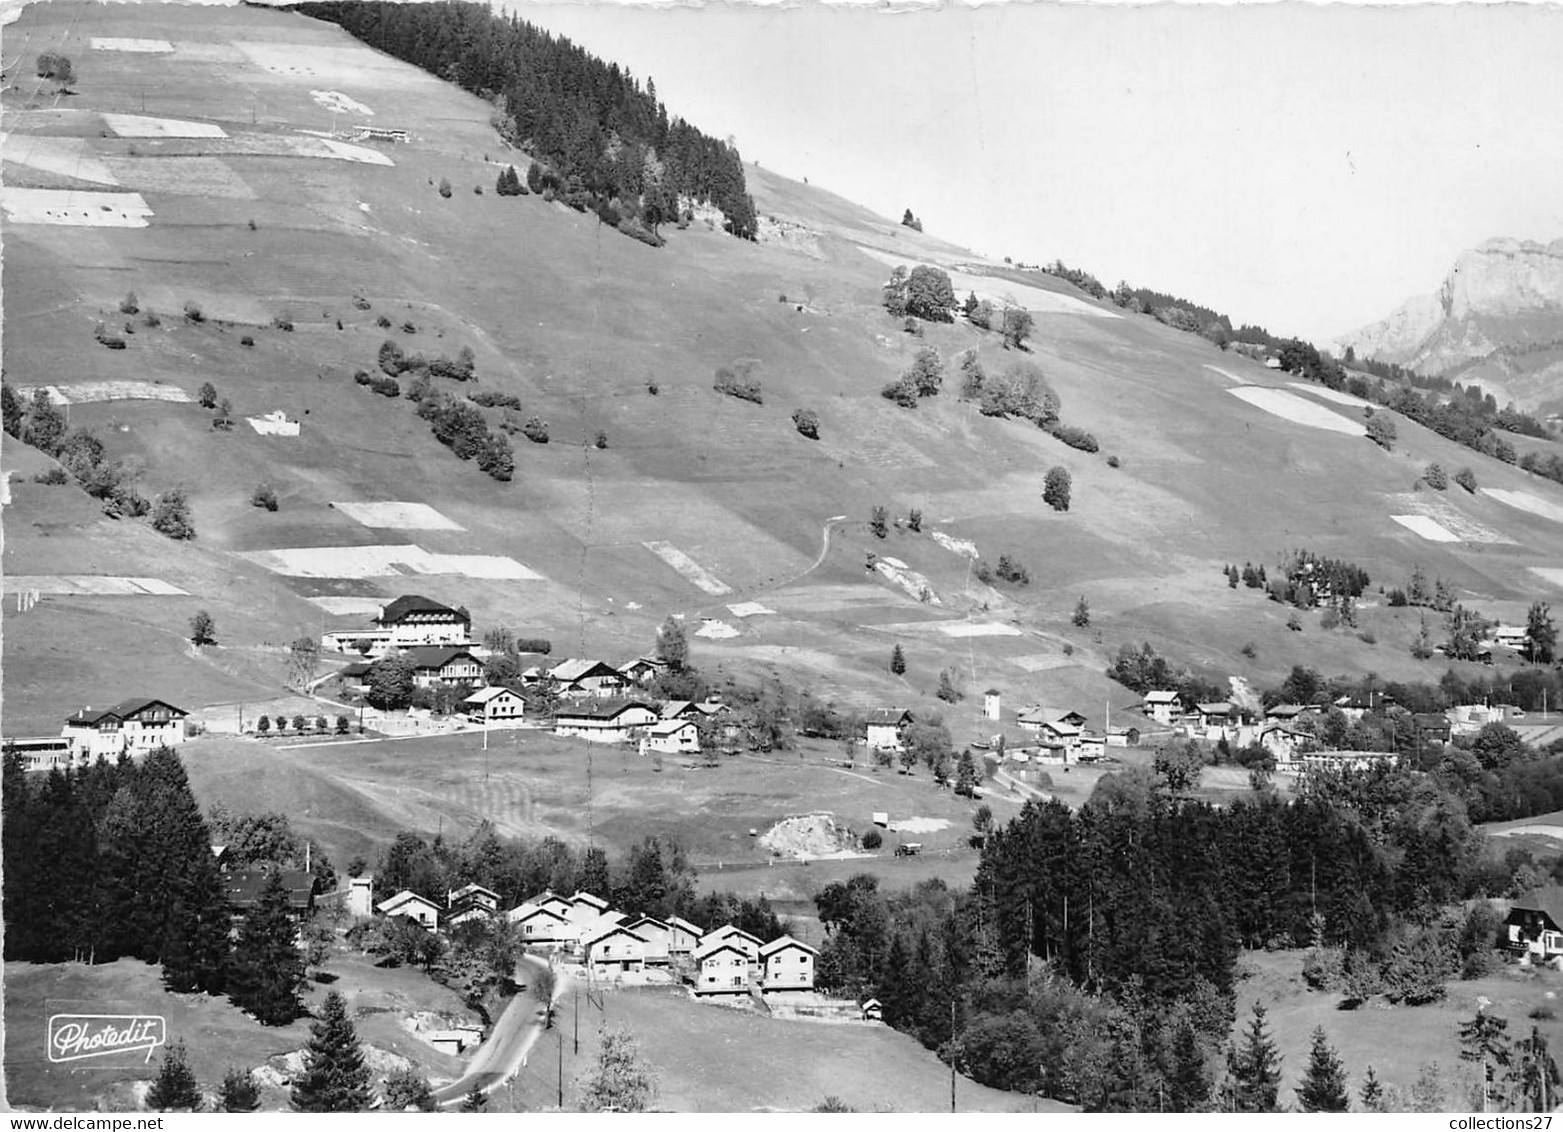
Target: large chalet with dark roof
x,y
1534,928
414,620
135,726
433,666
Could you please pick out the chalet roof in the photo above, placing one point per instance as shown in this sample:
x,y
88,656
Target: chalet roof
x,y
1159,696
484,695
1287,711
588,898
527,910
244,887
669,726
122,710
1430,721
602,929
889,717
644,662
641,921
782,943
685,926
435,657
570,670
598,711
402,899
705,950
730,931
1220,707
472,890
403,607
1548,900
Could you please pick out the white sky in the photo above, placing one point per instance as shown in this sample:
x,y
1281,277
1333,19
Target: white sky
x,y
1306,168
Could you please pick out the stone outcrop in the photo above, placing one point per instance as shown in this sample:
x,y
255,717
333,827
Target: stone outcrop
x,y
1496,321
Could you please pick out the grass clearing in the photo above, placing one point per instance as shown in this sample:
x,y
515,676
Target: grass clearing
x,y
397,516
183,176
142,126
128,43
1527,501
78,208
1396,1041
688,569
1329,394
87,392
1289,406
708,1058
64,157
1427,527
90,585
384,562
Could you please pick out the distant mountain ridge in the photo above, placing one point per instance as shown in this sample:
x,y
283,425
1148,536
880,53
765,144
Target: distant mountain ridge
x,y
1497,321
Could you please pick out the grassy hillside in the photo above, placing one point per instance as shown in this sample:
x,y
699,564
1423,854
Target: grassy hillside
x,y
576,321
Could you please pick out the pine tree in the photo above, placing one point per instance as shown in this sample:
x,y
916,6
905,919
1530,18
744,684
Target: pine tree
x,y
1324,1083
897,660
335,1078
1082,616
1372,1093
947,692
239,1092
267,968
1255,1068
175,1089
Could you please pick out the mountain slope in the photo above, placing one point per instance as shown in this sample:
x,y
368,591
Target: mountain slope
x,y
1497,321
578,323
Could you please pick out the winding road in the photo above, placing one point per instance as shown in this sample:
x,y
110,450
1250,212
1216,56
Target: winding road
x,y
499,1058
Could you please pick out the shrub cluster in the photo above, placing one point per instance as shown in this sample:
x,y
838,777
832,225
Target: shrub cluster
x,y
736,382
1075,437
385,386
264,497
807,422
491,400
394,362
540,645
1020,391
536,430
282,322
1009,569
462,428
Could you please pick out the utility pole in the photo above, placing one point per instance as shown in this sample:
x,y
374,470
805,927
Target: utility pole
x,y
952,1052
561,1071
577,998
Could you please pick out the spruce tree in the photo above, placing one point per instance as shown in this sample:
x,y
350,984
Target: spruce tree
x,y
594,873
1082,616
267,968
195,955
1255,1068
1188,1086
335,1078
897,660
966,775
1484,1040
1324,1083
175,1088
1372,1092
239,1092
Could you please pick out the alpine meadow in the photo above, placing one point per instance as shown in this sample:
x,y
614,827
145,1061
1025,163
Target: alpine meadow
x,y
511,605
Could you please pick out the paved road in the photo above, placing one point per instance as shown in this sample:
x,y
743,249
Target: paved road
x,y
499,1058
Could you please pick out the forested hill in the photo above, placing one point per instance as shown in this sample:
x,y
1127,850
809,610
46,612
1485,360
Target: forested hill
x,y
609,144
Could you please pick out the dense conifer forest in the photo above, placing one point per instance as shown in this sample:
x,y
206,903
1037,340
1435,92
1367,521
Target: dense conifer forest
x,y
607,142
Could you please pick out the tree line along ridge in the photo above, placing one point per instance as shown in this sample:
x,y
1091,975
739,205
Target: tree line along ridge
x,y
608,142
